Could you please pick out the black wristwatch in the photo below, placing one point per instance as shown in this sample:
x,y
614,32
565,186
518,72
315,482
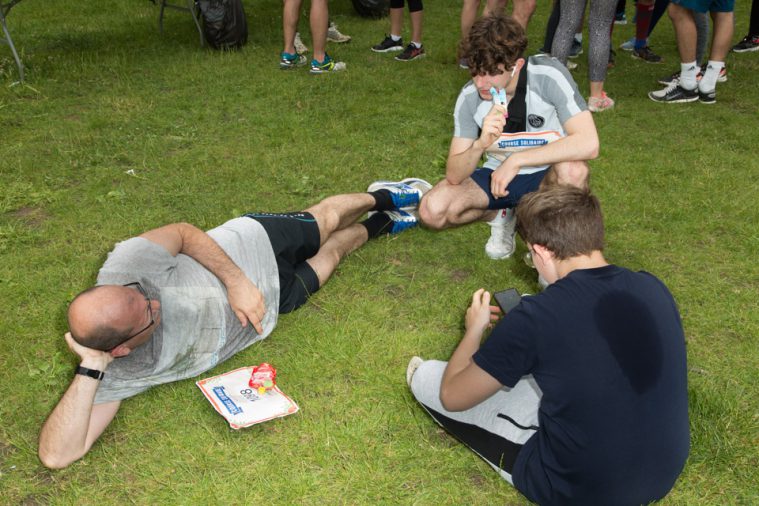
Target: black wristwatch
x,y
92,373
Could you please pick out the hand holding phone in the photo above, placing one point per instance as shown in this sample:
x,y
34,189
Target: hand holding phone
x,y
507,299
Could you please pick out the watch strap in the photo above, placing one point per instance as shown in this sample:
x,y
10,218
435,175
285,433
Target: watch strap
x,y
92,373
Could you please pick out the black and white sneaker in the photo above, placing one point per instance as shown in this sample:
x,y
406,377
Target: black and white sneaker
x,y
749,43
707,97
674,94
387,45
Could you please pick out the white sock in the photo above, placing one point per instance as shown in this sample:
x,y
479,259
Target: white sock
x,y
578,37
688,72
395,38
709,80
416,44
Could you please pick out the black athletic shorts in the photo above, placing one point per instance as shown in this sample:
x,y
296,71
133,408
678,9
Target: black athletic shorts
x,y
294,238
521,185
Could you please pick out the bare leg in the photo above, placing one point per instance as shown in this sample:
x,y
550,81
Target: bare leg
x,y
522,11
340,211
468,15
416,26
685,30
494,6
396,21
290,15
339,245
448,205
319,21
723,35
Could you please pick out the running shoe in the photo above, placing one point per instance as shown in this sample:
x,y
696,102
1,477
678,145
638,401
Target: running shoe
x,y
620,18
406,194
411,53
707,97
628,45
387,45
334,35
463,64
673,78
300,47
290,61
722,78
402,220
646,55
413,365
500,244
600,104
748,44
576,49
327,66
674,94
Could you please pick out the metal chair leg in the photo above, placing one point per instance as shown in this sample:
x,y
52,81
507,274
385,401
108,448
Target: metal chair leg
x,y
4,9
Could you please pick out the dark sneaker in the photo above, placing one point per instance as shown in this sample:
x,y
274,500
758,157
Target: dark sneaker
x,y
576,49
327,66
387,45
674,94
646,55
707,97
749,43
620,18
670,79
290,61
411,53
463,64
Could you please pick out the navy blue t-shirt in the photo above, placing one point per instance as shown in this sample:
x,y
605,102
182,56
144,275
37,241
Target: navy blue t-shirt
x,y
607,349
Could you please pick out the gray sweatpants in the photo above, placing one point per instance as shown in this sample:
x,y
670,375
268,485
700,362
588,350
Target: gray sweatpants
x,y
496,428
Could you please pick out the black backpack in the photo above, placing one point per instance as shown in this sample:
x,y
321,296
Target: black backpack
x,y
224,23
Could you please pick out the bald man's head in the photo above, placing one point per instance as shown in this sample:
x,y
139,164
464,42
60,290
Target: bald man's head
x,y
101,317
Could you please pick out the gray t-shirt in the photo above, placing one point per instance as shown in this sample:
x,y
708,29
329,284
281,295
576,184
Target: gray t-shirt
x,y
552,99
198,328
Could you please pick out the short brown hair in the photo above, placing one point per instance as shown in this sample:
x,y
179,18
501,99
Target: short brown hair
x,y
493,40
564,219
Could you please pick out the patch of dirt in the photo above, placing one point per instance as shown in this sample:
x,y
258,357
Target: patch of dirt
x,y
31,216
477,480
459,275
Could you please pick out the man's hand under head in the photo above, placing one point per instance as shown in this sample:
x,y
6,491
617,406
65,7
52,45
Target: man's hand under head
x,y
247,303
88,357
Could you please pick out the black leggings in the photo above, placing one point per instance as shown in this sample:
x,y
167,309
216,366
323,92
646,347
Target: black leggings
x,y
413,5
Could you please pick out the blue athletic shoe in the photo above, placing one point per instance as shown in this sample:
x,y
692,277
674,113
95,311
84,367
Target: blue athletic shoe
x,y
406,194
402,220
628,45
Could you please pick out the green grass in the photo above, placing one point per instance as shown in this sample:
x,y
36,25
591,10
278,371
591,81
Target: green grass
x,y
207,136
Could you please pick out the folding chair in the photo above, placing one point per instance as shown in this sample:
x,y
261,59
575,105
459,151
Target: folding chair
x,y
5,8
190,8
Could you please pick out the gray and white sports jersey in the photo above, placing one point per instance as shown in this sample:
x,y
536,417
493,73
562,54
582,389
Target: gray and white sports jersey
x,y
198,328
552,98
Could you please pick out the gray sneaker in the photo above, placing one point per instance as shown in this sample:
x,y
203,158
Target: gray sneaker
x,y
300,47
334,35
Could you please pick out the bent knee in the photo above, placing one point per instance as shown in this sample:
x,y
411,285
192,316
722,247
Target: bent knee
x,y
432,211
575,173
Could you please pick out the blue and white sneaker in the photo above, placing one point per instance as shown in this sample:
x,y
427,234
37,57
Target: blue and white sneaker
x,y
402,220
406,194
628,45
289,61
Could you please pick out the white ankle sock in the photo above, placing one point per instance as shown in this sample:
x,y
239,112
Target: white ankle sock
x,y
709,79
688,72
395,38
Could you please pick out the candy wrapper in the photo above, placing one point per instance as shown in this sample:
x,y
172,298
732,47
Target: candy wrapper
x,y
242,405
262,378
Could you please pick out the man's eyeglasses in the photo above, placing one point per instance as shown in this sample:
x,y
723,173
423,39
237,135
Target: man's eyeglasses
x,y
140,289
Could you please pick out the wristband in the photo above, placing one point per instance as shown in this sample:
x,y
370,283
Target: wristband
x,y
92,373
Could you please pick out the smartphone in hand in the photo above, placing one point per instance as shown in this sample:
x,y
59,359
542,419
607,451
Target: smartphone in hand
x,y
507,299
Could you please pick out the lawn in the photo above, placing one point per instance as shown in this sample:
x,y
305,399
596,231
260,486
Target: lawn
x,y
119,129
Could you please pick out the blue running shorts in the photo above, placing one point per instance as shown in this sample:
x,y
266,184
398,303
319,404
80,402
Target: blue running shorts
x,y
521,185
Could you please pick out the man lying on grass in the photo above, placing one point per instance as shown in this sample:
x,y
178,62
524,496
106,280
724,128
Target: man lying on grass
x,y
175,301
579,395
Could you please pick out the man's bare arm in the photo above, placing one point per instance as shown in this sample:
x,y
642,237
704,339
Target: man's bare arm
x,y
244,297
464,154
580,143
75,424
464,384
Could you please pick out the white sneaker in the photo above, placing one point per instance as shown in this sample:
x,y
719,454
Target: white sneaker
x,y
413,365
334,35
502,231
300,47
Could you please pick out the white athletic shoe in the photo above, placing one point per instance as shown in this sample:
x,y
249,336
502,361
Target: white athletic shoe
x,y
413,365
334,35
500,245
406,194
300,47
